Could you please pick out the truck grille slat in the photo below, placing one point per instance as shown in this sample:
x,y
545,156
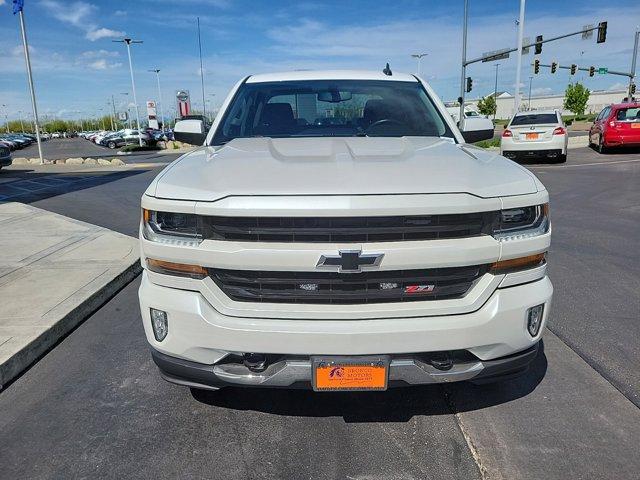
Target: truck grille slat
x,y
347,288
348,229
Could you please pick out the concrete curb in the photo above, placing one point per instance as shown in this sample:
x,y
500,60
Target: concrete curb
x,y
36,349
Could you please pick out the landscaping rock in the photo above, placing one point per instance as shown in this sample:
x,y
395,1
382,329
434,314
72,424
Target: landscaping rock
x,y
75,161
90,161
117,161
60,161
36,160
104,162
20,161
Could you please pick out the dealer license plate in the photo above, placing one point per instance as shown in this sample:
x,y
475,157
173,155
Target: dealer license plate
x,y
531,136
635,125
350,373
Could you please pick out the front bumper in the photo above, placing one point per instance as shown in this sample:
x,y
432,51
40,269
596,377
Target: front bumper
x,y
5,161
289,373
197,333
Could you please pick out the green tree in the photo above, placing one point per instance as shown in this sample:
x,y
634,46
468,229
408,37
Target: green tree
x,y
576,97
487,105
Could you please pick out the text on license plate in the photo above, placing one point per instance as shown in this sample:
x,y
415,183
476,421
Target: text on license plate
x,y
531,136
330,375
635,125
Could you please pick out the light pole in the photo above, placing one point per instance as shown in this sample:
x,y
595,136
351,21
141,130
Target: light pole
x,y
128,111
463,73
21,123
530,80
213,106
157,72
633,63
128,42
495,92
418,57
6,117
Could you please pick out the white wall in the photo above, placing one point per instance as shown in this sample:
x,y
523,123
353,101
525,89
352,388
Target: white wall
x,y
597,101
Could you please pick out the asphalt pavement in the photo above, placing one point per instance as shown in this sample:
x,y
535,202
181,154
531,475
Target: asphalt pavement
x,y
95,406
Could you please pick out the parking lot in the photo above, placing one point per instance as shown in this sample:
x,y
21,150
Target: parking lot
x,y
95,406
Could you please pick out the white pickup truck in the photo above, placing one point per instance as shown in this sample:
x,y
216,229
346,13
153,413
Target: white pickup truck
x,y
334,231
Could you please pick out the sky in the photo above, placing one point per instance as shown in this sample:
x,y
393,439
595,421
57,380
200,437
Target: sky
x,y
77,67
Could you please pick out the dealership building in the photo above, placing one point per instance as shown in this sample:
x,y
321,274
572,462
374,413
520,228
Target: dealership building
x,y
597,101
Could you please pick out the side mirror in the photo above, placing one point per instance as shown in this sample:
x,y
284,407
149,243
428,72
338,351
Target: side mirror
x,y
475,129
190,131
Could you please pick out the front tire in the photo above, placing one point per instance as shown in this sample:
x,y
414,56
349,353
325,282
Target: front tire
x,y
111,145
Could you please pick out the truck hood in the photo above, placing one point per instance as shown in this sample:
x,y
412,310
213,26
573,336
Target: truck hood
x,y
340,166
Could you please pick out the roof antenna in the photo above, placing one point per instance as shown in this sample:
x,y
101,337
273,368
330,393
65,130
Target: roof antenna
x,y
387,71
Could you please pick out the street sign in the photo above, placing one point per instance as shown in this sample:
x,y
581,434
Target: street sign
x,y
122,116
495,55
587,32
603,70
525,49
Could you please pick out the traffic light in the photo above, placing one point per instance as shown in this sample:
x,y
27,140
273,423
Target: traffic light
x,y
592,71
632,89
469,84
538,47
574,67
554,67
536,66
602,32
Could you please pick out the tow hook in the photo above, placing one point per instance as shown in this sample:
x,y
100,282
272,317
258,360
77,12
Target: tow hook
x,y
256,362
441,361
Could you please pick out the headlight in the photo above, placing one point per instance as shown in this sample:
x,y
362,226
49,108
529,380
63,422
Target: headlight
x,y
522,222
173,228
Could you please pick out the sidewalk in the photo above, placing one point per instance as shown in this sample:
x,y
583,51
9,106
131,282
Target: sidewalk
x,y
54,272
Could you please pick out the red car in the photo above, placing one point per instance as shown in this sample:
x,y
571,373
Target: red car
x,y
617,125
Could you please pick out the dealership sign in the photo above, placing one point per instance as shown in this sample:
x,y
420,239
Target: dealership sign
x,y
151,115
183,103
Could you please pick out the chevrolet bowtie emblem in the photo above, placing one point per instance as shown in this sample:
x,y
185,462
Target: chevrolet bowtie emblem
x,y
350,261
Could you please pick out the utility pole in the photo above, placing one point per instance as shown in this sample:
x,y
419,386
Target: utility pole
x,y
519,56
418,57
157,72
113,106
128,42
21,123
204,108
495,92
530,80
464,64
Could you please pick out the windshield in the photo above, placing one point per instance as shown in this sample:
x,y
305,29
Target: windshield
x,y
534,119
331,108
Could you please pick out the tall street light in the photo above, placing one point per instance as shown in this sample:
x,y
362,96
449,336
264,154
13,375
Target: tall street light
x,y
530,80
495,92
157,72
128,112
6,117
128,42
418,57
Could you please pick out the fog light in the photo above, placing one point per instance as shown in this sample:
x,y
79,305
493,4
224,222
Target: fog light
x,y
159,324
534,319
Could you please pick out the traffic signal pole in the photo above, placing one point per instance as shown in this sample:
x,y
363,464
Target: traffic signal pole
x,y
609,72
464,64
633,65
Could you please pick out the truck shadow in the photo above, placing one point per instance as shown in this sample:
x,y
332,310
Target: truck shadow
x,y
393,405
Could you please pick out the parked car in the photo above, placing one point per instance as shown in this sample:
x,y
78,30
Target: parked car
x,y
617,125
113,140
5,156
376,253
535,134
131,136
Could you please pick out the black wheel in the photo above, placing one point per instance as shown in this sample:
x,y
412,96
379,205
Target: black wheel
x,y
601,147
111,145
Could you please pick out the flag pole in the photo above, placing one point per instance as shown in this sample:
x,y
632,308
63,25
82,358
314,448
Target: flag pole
x,y
27,59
